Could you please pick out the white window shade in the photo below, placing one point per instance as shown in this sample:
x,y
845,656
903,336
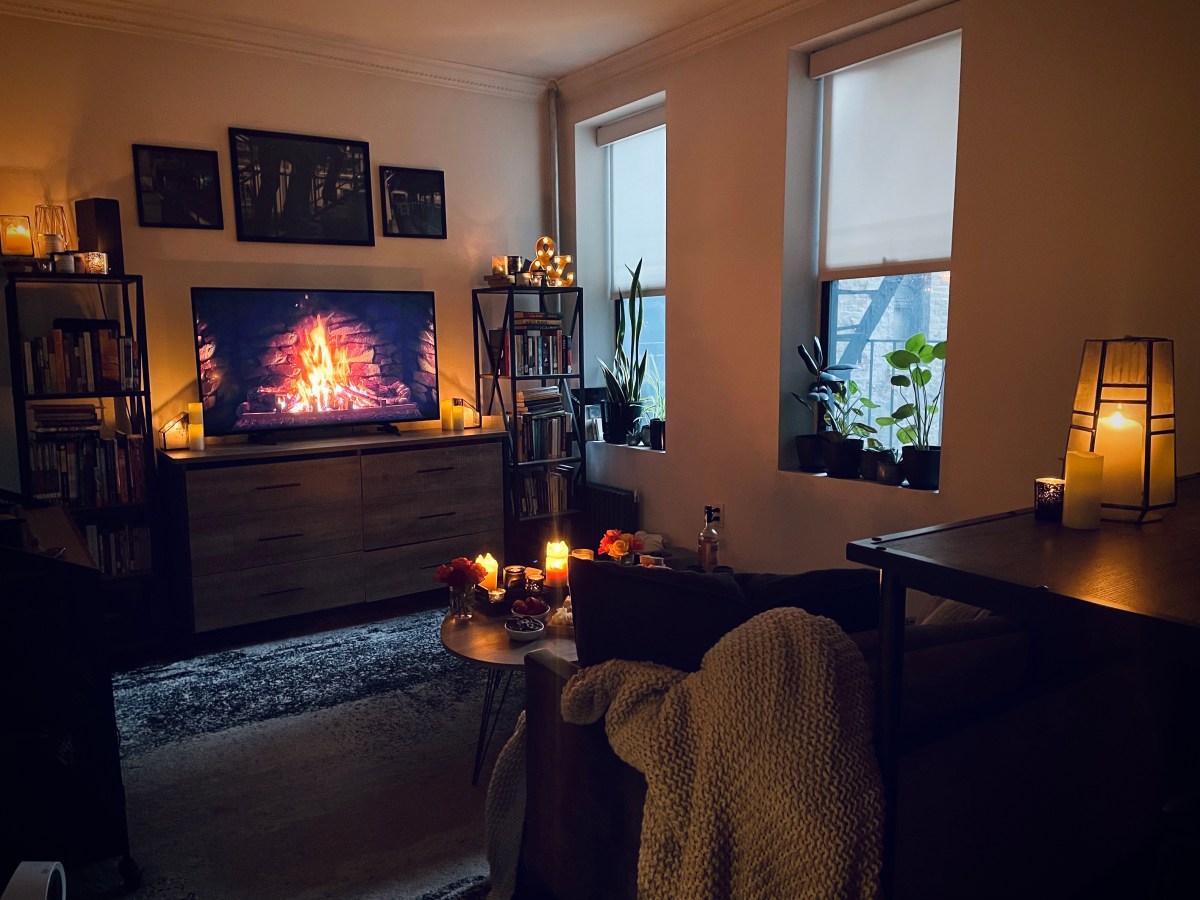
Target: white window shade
x,y
638,184
891,136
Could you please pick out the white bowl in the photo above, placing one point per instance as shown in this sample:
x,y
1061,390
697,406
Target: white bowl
x,y
541,617
531,635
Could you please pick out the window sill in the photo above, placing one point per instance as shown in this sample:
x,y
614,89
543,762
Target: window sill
x,y
630,447
826,477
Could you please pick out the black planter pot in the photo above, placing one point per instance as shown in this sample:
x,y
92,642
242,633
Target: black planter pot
x,y
888,472
810,449
619,419
868,464
922,467
658,434
842,456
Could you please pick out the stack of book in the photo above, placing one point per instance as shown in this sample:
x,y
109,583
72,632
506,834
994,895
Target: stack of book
x,y
545,493
81,356
71,462
543,424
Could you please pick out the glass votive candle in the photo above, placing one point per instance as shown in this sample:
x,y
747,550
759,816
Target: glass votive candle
x,y
514,580
583,554
1048,499
535,582
95,262
496,595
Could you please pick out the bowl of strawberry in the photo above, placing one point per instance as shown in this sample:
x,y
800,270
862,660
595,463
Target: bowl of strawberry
x,y
532,607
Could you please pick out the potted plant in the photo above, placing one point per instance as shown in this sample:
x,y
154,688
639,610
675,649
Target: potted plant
x,y
654,406
917,414
622,409
867,463
887,467
839,404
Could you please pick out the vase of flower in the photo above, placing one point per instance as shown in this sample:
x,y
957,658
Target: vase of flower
x,y
460,576
620,547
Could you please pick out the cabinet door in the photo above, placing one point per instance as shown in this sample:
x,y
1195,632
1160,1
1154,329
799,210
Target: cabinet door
x,y
263,487
426,495
396,571
243,542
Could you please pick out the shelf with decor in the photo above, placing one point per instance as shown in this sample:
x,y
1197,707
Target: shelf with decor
x,y
528,371
82,433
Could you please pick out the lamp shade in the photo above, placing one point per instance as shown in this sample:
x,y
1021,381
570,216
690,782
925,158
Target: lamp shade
x,y
1125,411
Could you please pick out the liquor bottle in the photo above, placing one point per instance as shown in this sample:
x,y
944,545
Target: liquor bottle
x,y
708,545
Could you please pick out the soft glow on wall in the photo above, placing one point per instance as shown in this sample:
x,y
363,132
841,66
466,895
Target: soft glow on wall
x,y
1125,412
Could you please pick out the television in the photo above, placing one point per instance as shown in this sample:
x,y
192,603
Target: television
x,y
273,359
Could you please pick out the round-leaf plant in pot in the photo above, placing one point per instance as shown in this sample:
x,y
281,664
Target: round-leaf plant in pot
x,y
839,404
916,416
622,409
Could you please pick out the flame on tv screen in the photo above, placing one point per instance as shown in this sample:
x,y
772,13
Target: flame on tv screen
x,y
272,359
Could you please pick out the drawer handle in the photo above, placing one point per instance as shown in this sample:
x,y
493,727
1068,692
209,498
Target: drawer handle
x,y
439,469
438,515
282,537
275,487
290,590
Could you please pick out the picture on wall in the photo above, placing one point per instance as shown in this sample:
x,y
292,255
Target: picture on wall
x,y
177,188
298,189
414,202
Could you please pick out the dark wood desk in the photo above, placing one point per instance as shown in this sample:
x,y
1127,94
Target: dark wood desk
x,y
1011,564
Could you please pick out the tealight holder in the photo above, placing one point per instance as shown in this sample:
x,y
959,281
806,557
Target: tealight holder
x,y
514,581
1048,499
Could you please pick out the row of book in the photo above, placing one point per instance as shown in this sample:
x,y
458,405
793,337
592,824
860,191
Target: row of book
x,y
82,356
539,345
544,493
71,462
543,426
119,549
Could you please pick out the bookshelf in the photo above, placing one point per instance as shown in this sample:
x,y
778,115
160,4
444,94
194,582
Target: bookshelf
x,y
529,372
83,440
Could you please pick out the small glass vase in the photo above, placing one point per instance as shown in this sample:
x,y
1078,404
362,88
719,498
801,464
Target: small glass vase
x,y
462,602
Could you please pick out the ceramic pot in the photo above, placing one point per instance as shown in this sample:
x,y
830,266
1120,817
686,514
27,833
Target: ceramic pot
x,y
868,465
888,472
619,420
922,467
658,434
842,456
810,452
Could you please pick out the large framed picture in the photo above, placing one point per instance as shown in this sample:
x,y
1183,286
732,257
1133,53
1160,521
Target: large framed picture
x,y
414,202
177,188
299,189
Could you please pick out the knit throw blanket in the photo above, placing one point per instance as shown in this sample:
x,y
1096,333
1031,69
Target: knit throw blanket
x,y
761,778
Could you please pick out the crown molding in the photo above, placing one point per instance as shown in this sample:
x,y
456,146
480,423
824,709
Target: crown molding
x,y
133,17
686,40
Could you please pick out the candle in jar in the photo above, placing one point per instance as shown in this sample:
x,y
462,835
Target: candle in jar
x,y
195,426
581,553
1048,499
490,567
15,237
1081,491
1119,440
556,563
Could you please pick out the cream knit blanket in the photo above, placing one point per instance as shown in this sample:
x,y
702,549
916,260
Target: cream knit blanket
x,y
761,778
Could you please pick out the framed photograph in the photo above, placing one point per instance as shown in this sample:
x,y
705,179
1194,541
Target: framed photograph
x,y
177,188
414,202
299,189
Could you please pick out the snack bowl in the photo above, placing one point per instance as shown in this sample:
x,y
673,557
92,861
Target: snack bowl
x,y
524,628
540,616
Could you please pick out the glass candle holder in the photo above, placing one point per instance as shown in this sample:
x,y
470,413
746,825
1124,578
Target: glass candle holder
x,y
1048,499
514,581
95,262
535,583
496,596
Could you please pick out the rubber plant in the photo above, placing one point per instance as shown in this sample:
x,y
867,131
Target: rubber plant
x,y
915,416
837,402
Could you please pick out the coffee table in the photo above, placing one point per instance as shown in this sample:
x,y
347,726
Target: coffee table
x,y
482,641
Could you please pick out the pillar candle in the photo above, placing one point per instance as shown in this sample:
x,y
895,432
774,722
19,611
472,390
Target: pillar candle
x,y
1120,441
556,563
195,426
457,422
446,407
490,567
1081,493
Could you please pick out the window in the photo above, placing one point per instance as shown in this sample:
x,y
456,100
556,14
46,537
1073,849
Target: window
x,y
889,141
637,230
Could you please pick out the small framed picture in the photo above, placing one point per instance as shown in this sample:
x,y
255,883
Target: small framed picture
x,y
413,201
177,188
301,189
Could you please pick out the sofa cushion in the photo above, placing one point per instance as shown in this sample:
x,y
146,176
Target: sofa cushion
x,y
848,596
650,615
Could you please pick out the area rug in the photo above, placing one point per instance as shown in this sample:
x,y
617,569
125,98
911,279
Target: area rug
x,y
335,765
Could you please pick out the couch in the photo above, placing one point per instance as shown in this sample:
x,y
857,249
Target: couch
x,y
1031,749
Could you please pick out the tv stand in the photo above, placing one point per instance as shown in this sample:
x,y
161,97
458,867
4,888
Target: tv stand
x,y
263,438
260,532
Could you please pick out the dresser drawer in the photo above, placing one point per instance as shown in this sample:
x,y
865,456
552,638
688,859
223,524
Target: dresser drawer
x,y
397,571
233,543
428,515
440,469
269,592
269,486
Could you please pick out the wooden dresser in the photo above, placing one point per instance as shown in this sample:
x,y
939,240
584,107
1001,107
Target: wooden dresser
x,y
260,532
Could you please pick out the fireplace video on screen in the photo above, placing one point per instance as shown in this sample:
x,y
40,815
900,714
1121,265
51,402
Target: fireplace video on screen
x,y
275,359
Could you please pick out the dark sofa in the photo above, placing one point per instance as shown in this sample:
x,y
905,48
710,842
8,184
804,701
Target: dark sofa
x,y
1031,750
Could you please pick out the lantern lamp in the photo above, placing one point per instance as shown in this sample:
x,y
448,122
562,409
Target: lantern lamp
x,y
1125,412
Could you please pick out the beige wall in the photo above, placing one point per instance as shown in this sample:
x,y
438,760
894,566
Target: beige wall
x,y
1075,218
82,96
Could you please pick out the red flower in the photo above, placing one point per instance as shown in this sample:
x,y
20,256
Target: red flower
x,y
460,572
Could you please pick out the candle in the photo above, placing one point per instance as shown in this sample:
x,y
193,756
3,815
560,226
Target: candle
x,y
15,237
514,580
556,563
534,581
499,265
1119,441
95,262
1048,499
1081,489
457,423
496,595
447,407
490,567
583,554
195,426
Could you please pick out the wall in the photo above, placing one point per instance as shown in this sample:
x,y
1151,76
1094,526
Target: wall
x,y
73,109
1074,218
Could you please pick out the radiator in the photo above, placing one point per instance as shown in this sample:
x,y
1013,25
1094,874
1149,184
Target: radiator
x,y
610,507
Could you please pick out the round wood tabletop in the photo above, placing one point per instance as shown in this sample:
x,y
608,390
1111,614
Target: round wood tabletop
x,y
483,641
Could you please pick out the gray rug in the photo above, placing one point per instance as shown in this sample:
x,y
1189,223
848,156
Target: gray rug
x,y
335,765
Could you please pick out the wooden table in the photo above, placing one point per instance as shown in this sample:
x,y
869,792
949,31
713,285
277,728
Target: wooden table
x,y
482,641
1011,564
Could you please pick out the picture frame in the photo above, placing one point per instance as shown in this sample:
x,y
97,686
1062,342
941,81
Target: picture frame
x,y
301,189
413,202
177,187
